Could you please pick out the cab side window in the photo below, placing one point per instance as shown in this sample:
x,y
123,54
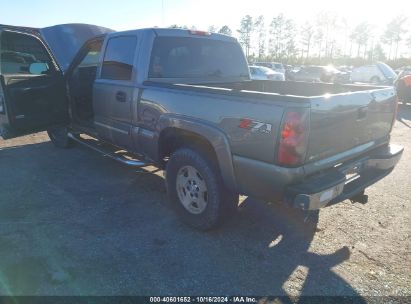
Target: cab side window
x,y
23,54
82,79
92,56
118,58
86,70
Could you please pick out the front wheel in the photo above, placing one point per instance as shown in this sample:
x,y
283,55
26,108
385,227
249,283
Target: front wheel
x,y
196,190
59,137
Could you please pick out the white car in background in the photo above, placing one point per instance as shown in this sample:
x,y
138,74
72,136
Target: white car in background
x,y
276,66
378,73
263,73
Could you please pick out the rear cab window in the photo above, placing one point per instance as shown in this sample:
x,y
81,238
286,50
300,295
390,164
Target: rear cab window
x,y
187,57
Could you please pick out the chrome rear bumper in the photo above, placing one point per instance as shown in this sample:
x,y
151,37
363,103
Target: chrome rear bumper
x,y
345,181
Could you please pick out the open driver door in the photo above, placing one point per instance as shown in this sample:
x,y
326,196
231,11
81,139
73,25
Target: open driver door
x,y
32,86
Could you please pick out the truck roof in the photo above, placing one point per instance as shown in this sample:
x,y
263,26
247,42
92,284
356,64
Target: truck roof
x,y
65,40
179,32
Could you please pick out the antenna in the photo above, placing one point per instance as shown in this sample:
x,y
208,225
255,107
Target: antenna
x,y
162,13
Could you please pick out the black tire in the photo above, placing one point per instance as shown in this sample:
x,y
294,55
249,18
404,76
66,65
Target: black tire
x,y
220,202
59,137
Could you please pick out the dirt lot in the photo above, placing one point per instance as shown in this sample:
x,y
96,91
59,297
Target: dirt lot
x,y
75,223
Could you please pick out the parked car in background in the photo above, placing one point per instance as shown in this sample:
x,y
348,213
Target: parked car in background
x,y
403,86
316,74
263,73
276,66
403,71
288,71
342,77
345,68
379,73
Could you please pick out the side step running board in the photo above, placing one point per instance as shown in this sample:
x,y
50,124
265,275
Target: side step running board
x,y
105,152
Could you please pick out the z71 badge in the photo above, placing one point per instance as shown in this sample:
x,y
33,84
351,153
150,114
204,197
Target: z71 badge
x,y
255,126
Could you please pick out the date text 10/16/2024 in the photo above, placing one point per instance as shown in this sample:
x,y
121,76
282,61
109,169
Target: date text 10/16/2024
x,y
239,299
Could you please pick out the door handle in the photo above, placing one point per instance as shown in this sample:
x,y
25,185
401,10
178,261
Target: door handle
x,y
121,96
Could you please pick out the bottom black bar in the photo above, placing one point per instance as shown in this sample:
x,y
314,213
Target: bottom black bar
x,y
199,299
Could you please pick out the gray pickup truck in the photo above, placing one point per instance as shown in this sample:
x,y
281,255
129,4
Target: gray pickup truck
x,y
183,101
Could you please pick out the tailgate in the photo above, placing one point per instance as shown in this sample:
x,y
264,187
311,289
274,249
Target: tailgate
x,y
341,122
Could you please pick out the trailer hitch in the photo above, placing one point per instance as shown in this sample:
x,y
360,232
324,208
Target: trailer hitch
x,y
359,198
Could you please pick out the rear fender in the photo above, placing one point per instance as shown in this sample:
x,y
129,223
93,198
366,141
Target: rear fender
x,y
213,135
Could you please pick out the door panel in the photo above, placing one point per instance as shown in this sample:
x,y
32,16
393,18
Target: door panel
x,y
32,88
113,114
113,91
35,101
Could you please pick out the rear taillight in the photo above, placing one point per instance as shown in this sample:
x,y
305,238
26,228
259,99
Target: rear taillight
x,y
293,138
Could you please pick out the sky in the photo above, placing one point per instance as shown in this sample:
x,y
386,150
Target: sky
x,y
129,14
132,14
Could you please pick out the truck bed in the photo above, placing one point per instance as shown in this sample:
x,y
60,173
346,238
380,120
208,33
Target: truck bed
x,y
341,116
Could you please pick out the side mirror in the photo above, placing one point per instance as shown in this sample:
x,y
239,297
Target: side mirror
x,y
38,68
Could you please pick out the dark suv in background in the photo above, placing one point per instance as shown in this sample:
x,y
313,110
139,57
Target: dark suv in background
x,y
318,74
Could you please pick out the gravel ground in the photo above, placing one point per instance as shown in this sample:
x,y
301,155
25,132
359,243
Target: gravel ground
x,y
75,223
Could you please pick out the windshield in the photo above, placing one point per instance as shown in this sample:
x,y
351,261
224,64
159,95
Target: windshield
x,y
186,57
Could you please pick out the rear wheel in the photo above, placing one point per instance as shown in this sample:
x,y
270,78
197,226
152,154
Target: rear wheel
x,y
59,137
196,190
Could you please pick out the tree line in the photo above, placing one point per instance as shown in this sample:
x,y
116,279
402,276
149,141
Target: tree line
x,y
327,39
